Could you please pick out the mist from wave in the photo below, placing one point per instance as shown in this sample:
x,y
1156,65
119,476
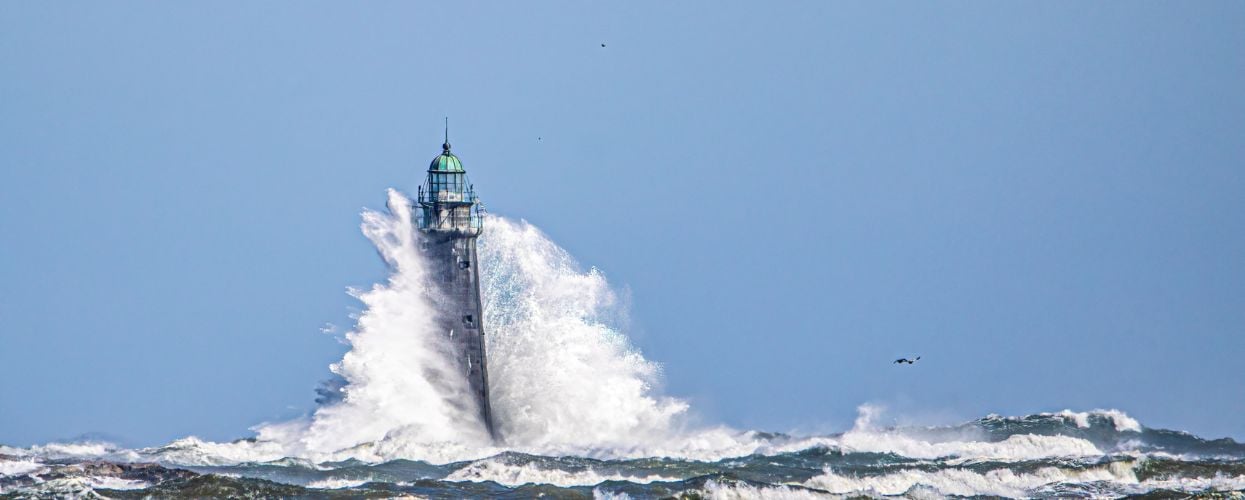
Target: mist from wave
x,y
564,378
580,411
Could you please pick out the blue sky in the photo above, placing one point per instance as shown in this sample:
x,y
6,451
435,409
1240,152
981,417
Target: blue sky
x,y
1044,200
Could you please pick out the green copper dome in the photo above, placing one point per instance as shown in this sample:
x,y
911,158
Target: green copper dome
x,y
446,161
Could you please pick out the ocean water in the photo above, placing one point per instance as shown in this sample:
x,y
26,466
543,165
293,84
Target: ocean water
x,y
1099,454
581,415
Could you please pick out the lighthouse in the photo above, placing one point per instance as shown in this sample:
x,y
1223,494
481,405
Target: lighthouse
x,y
449,220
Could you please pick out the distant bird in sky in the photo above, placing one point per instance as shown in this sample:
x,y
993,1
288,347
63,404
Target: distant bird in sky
x,y
901,361
602,45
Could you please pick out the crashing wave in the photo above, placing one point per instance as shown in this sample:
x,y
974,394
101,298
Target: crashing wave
x,y
566,382
18,467
967,482
510,474
1112,479
1121,421
867,460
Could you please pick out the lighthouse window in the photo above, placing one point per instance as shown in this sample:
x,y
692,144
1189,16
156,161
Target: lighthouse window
x,y
468,320
447,182
466,264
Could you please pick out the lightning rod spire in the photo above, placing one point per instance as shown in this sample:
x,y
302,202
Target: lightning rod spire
x,y
446,145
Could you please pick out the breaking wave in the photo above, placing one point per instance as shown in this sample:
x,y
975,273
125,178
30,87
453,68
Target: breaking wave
x,y
1016,457
581,413
564,379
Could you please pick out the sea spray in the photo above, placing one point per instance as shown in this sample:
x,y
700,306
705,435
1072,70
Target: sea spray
x,y
581,414
563,377
565,380
403,393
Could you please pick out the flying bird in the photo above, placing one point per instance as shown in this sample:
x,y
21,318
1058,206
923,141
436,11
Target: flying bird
x,y
602,45
901,361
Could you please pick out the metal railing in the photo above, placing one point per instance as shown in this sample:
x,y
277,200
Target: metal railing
x,y
450,210
428,220
431,216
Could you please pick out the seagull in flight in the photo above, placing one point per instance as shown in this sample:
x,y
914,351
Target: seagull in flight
x,y
901,361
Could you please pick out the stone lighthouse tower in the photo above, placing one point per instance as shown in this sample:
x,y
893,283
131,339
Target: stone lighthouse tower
x,y
449,219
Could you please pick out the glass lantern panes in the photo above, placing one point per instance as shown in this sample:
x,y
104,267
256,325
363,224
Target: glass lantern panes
x,y
447,182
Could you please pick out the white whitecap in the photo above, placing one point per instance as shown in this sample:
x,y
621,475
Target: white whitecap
x,y
519,474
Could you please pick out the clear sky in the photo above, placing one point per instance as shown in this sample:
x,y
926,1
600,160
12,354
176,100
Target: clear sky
x,y
1044,200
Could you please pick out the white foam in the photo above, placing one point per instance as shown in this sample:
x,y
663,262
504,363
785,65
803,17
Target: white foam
x,y
75,487
1016,447
1080,419
335,484
1193,485
13,452
85,449
916,443
116,483
194,451
515,475
698,444
598,494
716,490
82,450
18,467
1118,476
964,482
1121,421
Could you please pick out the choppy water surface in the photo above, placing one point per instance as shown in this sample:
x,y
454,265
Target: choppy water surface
x,y
1095,454
581,417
